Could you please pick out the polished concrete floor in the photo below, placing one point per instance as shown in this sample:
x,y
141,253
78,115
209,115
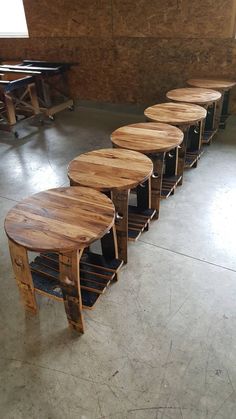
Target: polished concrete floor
x,y
161,344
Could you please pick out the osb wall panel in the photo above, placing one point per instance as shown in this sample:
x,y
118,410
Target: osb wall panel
x,y
126,52
72,18
130,69
93,78
162,64
140,18
173,18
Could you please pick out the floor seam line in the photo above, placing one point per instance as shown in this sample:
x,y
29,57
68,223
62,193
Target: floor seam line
x,y
188,256
9,199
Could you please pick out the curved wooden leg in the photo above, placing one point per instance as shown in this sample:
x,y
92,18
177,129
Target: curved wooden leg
x,y
110,247
120,200
171,162
224,114
156,181
144,195
182,156
10,108
215,122
20,264
34,98
69,266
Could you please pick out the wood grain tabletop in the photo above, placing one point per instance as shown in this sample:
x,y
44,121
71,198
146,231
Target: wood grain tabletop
x,y
147,137
194,95
176,113
212,83
108,169
60,219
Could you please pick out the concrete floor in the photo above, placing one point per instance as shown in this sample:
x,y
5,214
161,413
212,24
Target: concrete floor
x,y
161,344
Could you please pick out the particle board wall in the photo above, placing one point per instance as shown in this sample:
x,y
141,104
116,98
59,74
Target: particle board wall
x,y
130,51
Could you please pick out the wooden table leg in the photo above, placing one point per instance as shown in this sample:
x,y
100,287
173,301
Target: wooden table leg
x,y
194,136
194,145
34,98
10,108
219,107
20,264
45,92
120,200
144,195
109,246
109,242
224,108
199,141
69,268
171,162
182,155
156,181
209,123
215,117
201,131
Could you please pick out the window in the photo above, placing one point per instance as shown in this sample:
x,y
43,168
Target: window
x,y
12,19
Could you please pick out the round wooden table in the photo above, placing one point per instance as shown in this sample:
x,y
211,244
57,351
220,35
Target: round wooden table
x,y
195,95
66,221
115,172
217,84
205,97
154,140
190,119
223,86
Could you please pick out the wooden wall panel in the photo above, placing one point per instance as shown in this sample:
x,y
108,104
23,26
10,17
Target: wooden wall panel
x,y
126,52
129,69
161,64
173,18
71,18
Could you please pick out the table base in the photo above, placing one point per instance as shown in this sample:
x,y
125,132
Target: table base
x,y
223,121
169,183
192,158
208,136
19,108
96,273
138,221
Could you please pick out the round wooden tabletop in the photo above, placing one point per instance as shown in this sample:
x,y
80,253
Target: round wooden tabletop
x,y
176,113
109,169
60,219
212,83
194,95
147,137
